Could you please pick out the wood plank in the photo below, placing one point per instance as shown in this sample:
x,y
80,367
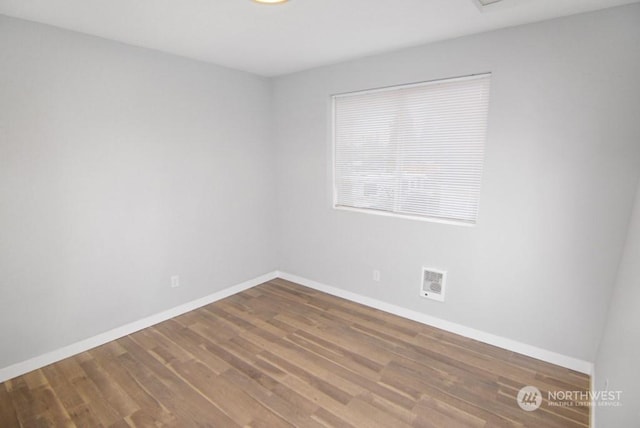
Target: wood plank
x,y
277,405
182,400
233,400
8,415
140,396
117,397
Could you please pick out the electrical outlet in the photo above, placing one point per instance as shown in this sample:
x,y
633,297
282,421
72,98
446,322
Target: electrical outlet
x,y
175,281
376,275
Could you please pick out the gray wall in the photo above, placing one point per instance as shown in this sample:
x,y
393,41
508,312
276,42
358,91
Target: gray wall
x,y
619,351
562,161
120,167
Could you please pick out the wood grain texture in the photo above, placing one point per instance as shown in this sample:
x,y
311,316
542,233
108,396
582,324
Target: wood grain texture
x,y
282,355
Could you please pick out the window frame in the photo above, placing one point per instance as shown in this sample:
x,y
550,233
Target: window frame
x,y
384,213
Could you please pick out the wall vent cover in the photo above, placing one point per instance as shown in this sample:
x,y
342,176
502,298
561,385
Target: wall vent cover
x,y
433,284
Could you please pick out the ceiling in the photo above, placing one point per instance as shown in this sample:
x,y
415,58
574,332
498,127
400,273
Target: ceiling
x,y
278,39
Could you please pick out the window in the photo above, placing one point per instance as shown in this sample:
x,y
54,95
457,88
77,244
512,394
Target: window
x,y
413,150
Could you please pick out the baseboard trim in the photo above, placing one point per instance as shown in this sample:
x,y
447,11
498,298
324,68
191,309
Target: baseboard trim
x,y
572,363
40,361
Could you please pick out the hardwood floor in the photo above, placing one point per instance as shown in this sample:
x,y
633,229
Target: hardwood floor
x,y
281,355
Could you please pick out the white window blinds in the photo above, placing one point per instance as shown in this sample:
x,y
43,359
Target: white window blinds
x,y
414,150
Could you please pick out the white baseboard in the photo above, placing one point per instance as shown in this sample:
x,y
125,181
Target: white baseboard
x,y
40,361
492,339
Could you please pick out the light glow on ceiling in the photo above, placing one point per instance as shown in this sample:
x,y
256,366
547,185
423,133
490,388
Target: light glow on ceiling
x,y
270,1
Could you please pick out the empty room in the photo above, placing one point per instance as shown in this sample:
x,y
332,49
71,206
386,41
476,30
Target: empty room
x,y
320,213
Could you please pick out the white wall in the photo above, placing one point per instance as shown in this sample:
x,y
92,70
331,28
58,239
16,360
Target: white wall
x,y
619,351
562,161
120,167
